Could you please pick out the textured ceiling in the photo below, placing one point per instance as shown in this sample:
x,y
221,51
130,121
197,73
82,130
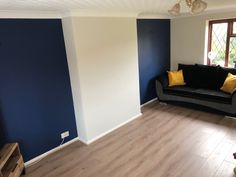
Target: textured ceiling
x,y
133,6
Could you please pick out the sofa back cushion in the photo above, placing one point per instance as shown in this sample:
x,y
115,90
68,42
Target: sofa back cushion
x,y
208,77
190,74
204,76
225,71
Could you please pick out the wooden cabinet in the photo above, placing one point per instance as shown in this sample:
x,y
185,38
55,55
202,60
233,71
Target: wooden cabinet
x,y
11,161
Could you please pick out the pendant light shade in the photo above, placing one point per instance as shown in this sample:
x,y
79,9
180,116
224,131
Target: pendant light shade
x,y
175,10
195,6
198,6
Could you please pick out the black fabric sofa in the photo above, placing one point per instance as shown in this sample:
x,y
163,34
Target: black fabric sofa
x,y
202,87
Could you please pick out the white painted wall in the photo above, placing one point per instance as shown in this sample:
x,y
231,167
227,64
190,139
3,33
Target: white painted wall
x,y
188,38
70,42
103,62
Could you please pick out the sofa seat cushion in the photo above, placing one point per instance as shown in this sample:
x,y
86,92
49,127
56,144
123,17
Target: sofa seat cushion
x,y
203,94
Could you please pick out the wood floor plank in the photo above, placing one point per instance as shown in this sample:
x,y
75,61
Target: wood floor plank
x,y
225,170
215,160
166,141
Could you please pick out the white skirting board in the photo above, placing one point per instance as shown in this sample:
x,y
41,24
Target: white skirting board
x,y
148,102
40,157
111,130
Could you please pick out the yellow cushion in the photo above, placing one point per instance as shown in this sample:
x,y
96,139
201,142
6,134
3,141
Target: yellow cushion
x,y
176,78
229,84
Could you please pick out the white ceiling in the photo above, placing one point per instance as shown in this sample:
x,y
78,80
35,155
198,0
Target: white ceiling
x,y
133,6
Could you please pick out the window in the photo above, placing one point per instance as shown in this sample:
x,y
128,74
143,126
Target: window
x,y
222,43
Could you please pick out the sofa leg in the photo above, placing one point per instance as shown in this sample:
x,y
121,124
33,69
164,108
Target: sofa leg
x,y
163,103
230,117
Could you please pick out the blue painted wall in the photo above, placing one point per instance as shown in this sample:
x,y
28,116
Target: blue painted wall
x,y
35,93
154,54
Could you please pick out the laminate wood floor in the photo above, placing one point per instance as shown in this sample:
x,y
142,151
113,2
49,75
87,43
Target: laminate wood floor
x,y
166,141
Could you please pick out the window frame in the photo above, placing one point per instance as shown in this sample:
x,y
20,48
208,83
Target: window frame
x,y
230,34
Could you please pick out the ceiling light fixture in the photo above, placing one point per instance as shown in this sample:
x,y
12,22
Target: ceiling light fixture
x,y
196,7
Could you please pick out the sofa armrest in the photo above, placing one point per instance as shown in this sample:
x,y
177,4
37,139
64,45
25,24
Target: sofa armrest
x,y
163,79
234,100
233,93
